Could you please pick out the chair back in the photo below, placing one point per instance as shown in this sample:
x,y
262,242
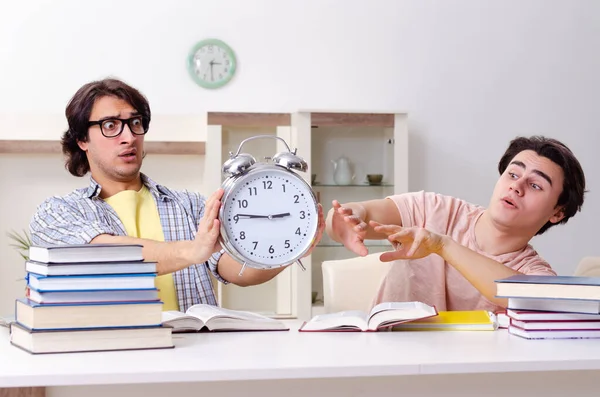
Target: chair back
x,y
352,284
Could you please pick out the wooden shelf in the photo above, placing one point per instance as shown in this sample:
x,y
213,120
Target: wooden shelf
x,y
352,120
249,119
51,147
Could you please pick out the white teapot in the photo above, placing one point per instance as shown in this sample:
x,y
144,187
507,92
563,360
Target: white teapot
x,y
342,171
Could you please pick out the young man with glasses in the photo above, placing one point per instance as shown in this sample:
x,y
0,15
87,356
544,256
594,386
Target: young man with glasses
x,y
178,229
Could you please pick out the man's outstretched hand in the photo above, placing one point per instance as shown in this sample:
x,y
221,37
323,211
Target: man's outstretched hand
x,y
350,228
409,242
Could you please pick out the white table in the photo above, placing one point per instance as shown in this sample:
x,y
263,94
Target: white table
x,y
296,364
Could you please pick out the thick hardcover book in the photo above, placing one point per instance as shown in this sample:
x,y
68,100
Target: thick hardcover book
x,y
36,316
203,317
93,340
382,317
563,287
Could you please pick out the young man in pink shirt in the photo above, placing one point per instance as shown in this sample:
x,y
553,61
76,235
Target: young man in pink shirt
x,y
448,252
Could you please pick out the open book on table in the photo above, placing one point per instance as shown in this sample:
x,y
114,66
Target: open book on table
x,y
383,315
203,317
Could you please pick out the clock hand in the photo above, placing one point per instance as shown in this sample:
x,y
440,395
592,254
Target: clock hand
x,y
252,216
283,215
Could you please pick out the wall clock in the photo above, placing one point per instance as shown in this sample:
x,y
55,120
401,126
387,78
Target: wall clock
x,y
211,63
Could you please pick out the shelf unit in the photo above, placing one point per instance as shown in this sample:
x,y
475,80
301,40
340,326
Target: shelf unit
x,y
282,296
374,142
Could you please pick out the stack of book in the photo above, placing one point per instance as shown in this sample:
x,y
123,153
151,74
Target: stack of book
x,y
552,307
92,297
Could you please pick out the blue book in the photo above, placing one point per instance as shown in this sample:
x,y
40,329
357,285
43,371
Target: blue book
x,y
91,282
100,296
73,269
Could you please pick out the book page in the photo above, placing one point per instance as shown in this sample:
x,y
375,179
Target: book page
x,y
396,306
343,319
172,315
388,313
180,321
207,312
218,318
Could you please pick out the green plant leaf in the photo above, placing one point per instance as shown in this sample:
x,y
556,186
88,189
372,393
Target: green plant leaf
x,y
22,242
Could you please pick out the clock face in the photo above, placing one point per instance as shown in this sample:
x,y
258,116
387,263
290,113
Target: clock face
x,y
211,63
270,217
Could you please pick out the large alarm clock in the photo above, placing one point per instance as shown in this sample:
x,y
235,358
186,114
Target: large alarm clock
x,y
268,214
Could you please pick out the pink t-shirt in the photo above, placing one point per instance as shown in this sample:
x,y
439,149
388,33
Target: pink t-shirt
x,y
431,279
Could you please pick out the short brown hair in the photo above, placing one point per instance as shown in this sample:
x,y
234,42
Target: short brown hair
x,y
78,116
573,191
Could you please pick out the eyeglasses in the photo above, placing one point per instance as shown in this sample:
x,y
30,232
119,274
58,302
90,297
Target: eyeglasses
x,y
112,128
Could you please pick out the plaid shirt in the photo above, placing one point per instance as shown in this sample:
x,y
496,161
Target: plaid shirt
x,y
82,215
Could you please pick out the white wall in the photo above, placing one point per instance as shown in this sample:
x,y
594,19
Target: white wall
x,y
465,71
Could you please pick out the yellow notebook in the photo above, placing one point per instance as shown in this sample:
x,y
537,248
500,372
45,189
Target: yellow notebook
x,y
467,320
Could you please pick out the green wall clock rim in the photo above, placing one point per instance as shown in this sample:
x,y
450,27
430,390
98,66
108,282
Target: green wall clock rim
x,y
190,63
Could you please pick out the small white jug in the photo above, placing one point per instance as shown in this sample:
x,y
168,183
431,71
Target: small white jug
x,y
342,171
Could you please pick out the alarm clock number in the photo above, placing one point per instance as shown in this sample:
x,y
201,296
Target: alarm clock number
x,y
271,218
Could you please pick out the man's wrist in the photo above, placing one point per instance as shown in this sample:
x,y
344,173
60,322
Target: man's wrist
x,y
329,226
186,254
445,245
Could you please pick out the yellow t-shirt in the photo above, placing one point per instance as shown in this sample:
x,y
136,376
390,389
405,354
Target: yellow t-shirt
x,y
139,215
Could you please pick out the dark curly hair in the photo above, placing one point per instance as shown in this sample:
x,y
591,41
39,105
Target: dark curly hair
x,y
573,191
78,116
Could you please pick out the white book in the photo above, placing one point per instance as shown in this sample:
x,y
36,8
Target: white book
x,y
383,315
554,334
203,317
86,253
527,315
555,305
92,340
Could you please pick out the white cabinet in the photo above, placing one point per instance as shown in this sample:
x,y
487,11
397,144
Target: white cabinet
x,y
372,143
282,296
